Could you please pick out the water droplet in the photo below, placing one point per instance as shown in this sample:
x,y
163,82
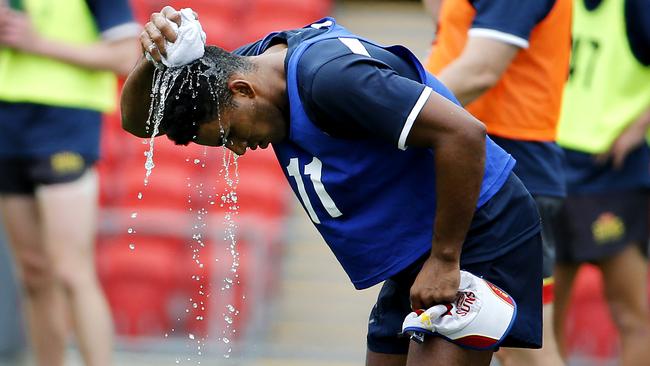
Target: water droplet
x,y
191,336
196,161
130,230
134,215
139,195
226,340
132,246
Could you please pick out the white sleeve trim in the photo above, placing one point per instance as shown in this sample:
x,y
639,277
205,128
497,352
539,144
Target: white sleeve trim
x,y
355,46
412,116
122,31
499,36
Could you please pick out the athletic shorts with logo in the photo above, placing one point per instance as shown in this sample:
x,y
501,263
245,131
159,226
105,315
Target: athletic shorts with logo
x,y
511,215
45,145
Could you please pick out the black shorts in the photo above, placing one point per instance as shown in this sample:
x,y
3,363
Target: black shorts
x,y
518,272
23,175
599,225
550,210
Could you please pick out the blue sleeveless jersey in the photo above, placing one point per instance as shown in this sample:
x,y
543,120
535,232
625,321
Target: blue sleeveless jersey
x,y
373,203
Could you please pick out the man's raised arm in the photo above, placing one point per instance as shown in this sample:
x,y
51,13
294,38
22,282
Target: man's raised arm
x,y
136,95
136,98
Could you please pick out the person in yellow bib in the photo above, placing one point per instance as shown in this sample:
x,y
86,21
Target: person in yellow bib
x,y
604,120
58,61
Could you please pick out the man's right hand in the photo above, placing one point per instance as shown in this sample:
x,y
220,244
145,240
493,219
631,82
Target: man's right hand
x,y
158,31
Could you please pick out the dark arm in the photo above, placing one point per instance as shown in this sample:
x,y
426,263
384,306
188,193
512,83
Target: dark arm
x,y
458,142
136,95
136,98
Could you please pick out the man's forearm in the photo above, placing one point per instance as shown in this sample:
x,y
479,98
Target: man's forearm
x,y
478,68
136,98
459,173
466,82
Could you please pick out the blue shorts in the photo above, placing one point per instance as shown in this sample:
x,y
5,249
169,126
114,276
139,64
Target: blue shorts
x,y
38,131
598,226
517,270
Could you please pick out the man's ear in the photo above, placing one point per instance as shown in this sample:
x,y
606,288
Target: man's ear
x,y
242,88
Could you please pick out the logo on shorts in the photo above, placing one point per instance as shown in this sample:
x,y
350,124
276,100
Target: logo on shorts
x,y
465,302
607,228
67,163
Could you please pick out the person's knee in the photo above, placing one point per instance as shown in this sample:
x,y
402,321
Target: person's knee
x,y
74,270
36,272
629,319
74,279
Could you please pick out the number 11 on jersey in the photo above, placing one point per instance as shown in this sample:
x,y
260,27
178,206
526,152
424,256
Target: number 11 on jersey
x,y
313,170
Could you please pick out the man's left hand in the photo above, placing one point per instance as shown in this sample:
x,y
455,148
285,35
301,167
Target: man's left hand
x,y
437,283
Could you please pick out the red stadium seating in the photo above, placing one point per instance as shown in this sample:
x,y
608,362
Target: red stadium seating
x,y
265,16
138,282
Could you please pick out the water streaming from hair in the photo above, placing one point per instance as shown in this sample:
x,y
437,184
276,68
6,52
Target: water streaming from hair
x,y
163,83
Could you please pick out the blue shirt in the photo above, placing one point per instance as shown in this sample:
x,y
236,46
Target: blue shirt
x,y
371,198
349,95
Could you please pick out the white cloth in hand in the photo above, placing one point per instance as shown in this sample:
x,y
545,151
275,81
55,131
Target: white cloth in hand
x,y
479,318
445,319
190,43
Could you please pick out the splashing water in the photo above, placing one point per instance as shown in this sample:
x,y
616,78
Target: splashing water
x,y
163,82
229,200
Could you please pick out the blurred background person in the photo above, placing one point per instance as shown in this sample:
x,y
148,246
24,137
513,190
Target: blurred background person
x,y
507,61
604,121
57,65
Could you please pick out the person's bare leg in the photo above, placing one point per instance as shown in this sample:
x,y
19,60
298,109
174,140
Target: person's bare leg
x,y
69,213
546,356
43,300
437,351
384,359
564,275
626,290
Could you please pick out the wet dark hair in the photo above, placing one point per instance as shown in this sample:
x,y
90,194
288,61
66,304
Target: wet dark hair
x,y
199,93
